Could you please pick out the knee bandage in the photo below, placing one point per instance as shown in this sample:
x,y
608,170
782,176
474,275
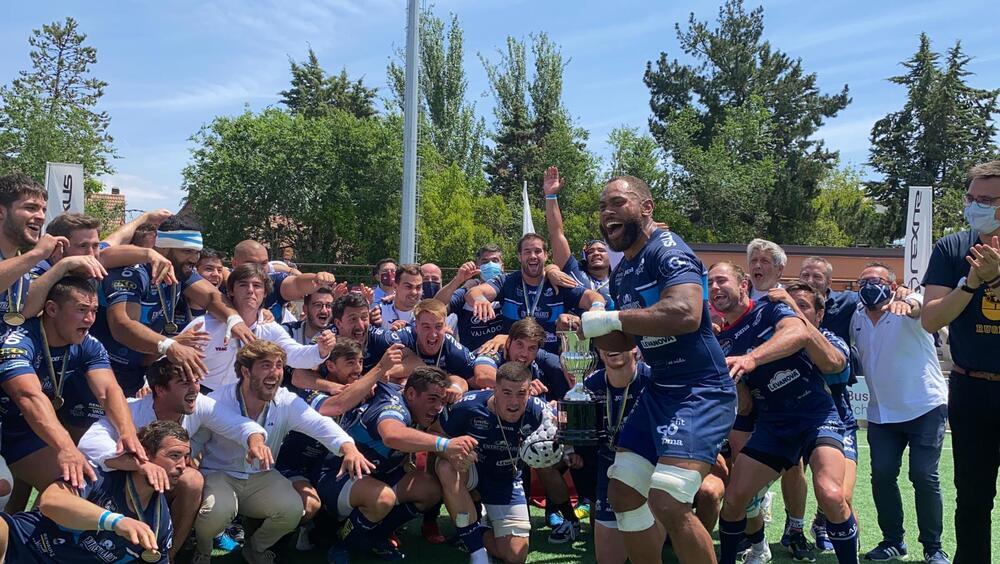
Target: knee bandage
x,y
753,508
682,484
639,519
632,470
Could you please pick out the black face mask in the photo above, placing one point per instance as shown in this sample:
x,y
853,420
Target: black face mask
x,y
431,289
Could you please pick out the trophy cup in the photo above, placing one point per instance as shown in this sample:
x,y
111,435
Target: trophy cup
x,y
581,416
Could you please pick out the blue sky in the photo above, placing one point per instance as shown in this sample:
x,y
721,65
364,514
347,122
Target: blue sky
x,y
173,66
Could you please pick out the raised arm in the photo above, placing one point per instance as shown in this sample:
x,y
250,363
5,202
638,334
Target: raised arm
x,y
466,272
124,234
551,185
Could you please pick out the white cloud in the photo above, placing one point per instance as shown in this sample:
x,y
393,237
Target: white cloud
x,y
204,96
859,27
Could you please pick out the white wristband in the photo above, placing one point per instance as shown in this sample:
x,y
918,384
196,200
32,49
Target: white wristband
x,y
232,321
598,306
163,345
599,323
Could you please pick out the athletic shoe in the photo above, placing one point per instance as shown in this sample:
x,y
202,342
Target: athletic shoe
x,y
582,510
225,543
384,550
886,551
765,507
937,557
431,532
818,531
257,557
302,542
567,531
554,519
338,554
758,554
802,550
236,531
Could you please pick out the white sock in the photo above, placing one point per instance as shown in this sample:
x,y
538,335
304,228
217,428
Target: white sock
x,y
479,557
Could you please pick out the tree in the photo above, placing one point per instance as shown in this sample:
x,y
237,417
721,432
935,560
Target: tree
x,y
637,155
731,66
449,120
313,93
49,113
944,128
845,216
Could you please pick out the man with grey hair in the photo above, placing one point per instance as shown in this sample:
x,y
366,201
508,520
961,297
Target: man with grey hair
x,y
765,261
840,306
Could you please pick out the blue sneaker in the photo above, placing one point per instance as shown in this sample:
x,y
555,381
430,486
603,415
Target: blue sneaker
x,y
225,543
936,557
818,530
338,554
554,520
886,551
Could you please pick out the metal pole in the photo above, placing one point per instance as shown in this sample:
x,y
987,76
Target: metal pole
x,y
408,223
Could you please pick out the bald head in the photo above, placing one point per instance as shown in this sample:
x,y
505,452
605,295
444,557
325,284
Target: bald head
x,y
250,252
430,272
632,184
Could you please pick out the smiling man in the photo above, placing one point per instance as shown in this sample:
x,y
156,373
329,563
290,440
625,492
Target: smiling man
x,y
766,261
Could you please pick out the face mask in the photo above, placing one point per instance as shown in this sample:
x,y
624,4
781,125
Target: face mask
x,y
431,289
387,279
489,271
982,218
874,294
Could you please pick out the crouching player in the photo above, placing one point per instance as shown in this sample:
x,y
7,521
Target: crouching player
x,y
374,506
500,420
118,518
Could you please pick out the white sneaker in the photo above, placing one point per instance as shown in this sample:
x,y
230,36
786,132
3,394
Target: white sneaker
x,y
302,542
765,507
758,554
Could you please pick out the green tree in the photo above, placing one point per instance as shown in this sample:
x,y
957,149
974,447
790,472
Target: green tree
x,y
845,216
50,112
314,93
449,120
637,155
732,65
944,127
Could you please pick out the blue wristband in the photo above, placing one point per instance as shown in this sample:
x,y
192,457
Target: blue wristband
x,y
552,196
100,522
437,444
111,527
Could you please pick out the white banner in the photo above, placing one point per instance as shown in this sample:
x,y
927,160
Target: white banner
x,y
527,225
918,238
64,183
859,399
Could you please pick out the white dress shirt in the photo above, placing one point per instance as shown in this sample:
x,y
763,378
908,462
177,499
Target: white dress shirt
x,y
221,358
900,366
100,442
285,413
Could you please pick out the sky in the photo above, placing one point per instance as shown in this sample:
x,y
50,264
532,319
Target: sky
x,y
174,66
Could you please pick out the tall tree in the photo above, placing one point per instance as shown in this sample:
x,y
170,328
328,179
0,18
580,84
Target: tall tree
x,y
944,127
845,216
451,123
637,155
314,93
49,113
732,64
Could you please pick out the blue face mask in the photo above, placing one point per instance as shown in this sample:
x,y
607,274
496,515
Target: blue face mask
x,y
489,271
874,294
982,218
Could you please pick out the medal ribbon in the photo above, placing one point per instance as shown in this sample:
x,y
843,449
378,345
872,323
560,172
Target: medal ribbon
x,y
512,455
163,303
11,301
524,288
132,495
616,426
57,383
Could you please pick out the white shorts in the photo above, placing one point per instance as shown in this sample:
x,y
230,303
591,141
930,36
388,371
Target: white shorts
x,y
505,520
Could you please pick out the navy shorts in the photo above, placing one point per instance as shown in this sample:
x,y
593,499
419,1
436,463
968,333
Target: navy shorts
x,y
329,487
602,507
780,445
686,422
851,445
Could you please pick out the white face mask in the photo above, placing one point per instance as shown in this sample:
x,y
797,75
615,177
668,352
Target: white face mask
x,y
982,218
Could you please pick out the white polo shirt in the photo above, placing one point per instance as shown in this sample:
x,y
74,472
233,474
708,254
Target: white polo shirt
x,y
900,366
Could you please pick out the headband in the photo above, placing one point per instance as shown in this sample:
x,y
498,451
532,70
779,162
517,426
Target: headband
x,y
179,240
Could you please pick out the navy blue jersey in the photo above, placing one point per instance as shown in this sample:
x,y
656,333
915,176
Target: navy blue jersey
x,y
840,308
452,357
788,388
36,538
473,331
511,295
691,358
133,285
545,368
23,353
14,297
603,287
613,397
840,382
387,403
499,445
301,455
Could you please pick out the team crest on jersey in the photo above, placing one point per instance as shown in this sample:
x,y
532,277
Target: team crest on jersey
x,y
760,315
677,262
782,378
480,423
727,345
991,305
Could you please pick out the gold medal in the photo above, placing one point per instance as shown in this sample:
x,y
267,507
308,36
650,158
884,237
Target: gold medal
x,y
57,380
13,318
132,499
57,403
171,328
151,555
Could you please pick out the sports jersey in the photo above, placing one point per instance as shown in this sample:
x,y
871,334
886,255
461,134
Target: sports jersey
x,y
690,358
545,368
840,382
297,330
133,285
301,456
603,287
473,331
14,297
452,357
36,538
387,403
498,451
514,305
786,390
23,353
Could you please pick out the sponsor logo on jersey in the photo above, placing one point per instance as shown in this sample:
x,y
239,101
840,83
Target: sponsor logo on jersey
x,y
653,342
782,378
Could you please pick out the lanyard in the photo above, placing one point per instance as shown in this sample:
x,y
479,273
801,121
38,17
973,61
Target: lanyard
x,y
596,285
57,383
530,309
132,495
173,308
512,455
615,425
14,302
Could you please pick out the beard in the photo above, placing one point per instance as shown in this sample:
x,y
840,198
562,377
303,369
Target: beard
x,y
630,234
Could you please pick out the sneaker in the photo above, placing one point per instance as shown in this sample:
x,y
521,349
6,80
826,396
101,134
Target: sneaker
x,y
886,551
554,520
225,543
338,554
818,531
582,510
236,531
566,532
936,557
802,550
384,550
431,532
257,557
302,542
765,507
758,554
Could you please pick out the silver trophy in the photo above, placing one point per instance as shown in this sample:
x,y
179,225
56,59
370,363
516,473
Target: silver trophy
x,y
581,416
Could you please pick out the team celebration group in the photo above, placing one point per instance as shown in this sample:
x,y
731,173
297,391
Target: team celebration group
x,y
166,404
